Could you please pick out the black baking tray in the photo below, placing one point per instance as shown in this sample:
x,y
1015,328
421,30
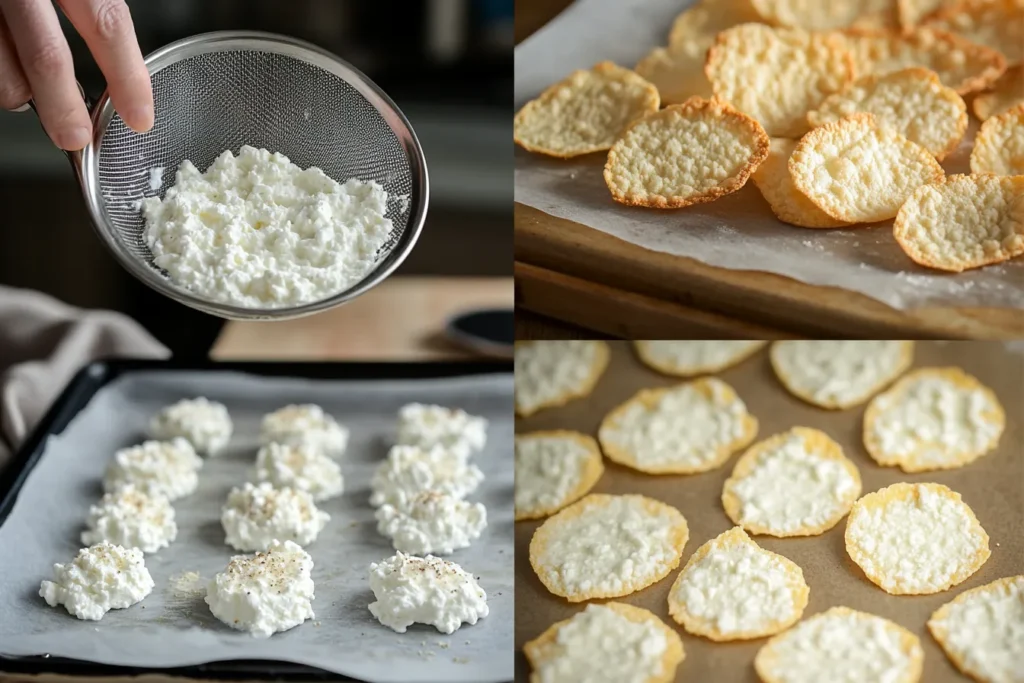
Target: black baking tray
x,y
77,394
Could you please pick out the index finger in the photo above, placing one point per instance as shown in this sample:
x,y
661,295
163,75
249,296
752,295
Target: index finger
x,y
106,26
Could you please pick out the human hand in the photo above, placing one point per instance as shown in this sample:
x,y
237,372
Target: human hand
x,y
35,63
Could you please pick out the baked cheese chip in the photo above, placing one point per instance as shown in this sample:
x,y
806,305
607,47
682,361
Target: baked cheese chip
x,y
553,469
915,539
962,65
733,589
819,15
552,373
913,12
1007,93
841,644
789,204
933,419
608,546
777,75
678,74
797,483
685,154
585,112
697,26
998,24
607,643
963,222
982,631
686,358
858,171
999,145
913,102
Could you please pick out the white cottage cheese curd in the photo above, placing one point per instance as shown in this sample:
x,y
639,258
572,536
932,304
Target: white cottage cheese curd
x,y
426,590
101,578
409,471
302,467
258,231
130,518
168,468
308,423
255,516
432,523
203,423
428,425
264,593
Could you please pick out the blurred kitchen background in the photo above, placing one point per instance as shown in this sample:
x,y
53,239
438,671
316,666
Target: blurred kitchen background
x,y
446,63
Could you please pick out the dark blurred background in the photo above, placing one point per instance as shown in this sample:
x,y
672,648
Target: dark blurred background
x,y
446,63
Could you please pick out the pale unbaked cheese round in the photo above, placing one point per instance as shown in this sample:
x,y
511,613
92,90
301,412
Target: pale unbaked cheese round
x,y
688,358
554,469
732,589
797,483
608,546
635,646
915,539
304,424
552,373
301,466
932,419
982,631
256,516
166,468
689,428
842,645
131,518
203,423
409,471
839,374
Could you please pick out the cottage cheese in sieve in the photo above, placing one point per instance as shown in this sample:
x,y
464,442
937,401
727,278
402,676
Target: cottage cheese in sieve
x,y
257,231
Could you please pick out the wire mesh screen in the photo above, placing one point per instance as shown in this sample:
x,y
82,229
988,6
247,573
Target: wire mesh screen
x,y
217,101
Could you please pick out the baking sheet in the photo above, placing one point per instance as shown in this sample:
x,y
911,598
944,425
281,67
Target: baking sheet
x,y
173,626
993,486
738,231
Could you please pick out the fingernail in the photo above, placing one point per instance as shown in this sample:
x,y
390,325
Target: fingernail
x,y
140,118
24,107
75,139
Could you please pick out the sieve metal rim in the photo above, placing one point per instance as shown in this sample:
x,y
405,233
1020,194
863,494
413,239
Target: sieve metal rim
x,y
86,166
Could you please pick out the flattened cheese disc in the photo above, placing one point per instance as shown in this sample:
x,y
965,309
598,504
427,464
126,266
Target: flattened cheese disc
x,y
688,358
982,631
689,428
915,539
933,419
732,589
554,469
797,483
839,374
609,643
552,373
608,546
842,645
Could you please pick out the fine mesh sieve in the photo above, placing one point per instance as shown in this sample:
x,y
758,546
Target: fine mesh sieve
x,y
219,91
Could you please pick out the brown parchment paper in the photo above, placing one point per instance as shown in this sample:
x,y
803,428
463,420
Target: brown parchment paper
x,y
993,486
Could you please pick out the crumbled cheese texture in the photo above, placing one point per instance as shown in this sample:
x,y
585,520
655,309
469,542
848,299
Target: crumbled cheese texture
x,y
984,629
838,372
257,231
304,424
548,470
409,471
425,590
203,423
167,468
101,578
599,645
427,426
792,488
129,517
548,371
302,466
433,523
683,427
841,646
697,356
257,515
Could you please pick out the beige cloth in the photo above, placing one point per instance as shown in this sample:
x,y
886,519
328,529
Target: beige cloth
x,y
43,343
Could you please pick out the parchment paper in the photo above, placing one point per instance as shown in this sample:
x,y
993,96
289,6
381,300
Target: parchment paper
x,y
738,231
173,625
993,486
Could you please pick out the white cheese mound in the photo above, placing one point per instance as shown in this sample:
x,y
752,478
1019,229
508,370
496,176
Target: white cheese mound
x,y
409,471
427,426
101,578
130,518
203,423
258,231
309,424
302,467
264,593
425,591
168,468
432,523
256,516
